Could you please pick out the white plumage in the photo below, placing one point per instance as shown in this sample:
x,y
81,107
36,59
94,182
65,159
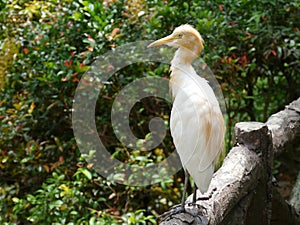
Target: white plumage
x,y
197,124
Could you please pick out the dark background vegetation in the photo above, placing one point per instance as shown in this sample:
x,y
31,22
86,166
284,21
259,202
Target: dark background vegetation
x,y
46,46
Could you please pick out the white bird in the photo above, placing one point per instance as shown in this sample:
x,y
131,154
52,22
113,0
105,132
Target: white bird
x,y
196,122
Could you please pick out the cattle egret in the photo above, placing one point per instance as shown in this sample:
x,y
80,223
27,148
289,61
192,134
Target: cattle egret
x,y
196,122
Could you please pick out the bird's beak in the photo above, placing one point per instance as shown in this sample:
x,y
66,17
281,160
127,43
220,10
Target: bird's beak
x,y
166,40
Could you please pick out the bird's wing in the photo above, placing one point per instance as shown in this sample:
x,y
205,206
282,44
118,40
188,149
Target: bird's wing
x,y
197,130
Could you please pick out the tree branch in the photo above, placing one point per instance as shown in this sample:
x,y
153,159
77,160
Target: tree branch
x,y
234,187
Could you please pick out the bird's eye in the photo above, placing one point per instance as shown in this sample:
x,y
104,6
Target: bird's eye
x,y
180,35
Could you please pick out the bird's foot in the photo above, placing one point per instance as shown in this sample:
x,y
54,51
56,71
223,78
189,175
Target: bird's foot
x,y
193,209
194,204
177,209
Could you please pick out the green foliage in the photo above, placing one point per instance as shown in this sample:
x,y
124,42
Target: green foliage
x,y
46,46
251,46
8,51
68,201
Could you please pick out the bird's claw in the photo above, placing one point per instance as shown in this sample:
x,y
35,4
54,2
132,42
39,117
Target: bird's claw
x,y
196,206
178,209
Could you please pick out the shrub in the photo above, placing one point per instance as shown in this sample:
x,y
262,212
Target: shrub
x,y
252,47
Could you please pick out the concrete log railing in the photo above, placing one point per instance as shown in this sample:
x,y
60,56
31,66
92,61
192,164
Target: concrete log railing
x,y
242,190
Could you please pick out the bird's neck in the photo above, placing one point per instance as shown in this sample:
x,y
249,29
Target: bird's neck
x,y
183,56
182,61
181,71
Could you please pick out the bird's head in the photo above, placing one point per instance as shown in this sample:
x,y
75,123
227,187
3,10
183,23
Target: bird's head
x,y
184,36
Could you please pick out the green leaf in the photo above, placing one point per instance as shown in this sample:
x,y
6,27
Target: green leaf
x,y
85,172
15,200
232,48
185,5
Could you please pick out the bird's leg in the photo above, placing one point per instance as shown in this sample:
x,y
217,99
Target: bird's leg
x,y
195,194
186,181
178,208
194,200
